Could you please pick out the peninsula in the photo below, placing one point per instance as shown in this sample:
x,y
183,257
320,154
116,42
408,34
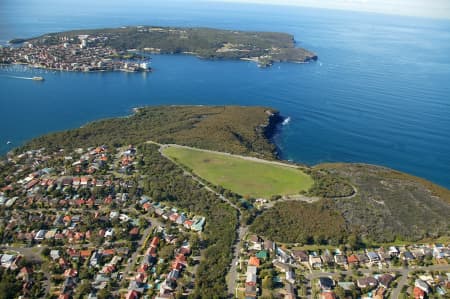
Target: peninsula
x,y
121,48
192,202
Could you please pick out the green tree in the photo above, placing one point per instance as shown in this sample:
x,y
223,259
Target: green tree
x,y
340,292
267,282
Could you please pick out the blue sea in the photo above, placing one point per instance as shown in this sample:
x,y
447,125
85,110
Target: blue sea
x,y
379,93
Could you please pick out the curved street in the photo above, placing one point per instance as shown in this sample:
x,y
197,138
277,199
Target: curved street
x,y
400,283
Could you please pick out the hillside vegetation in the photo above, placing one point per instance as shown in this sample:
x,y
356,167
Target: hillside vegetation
x,y
388,206
391,205
300,222
245,177
238,130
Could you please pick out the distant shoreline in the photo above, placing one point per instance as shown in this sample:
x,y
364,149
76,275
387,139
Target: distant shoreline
x,y
72,71
264,48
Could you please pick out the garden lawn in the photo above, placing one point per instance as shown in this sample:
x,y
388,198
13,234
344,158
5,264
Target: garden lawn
x,y
245,177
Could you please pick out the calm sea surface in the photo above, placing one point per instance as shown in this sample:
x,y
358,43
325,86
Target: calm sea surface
x,y
380,92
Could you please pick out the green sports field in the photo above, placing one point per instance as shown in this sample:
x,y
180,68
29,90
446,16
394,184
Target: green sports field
x,y
245,177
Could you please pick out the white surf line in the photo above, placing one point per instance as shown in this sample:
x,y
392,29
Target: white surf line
x,y
17,77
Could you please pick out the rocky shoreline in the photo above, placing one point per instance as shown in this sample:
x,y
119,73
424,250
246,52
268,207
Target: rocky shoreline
x,y
273,128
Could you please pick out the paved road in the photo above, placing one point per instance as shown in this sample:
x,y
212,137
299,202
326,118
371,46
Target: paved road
x,y
404,272
145,234
232,273
241,230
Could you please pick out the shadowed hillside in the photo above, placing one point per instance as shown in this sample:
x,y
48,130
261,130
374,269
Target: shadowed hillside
x,y
239,130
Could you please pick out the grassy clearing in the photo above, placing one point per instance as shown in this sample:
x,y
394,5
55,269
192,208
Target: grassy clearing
x,y
245,177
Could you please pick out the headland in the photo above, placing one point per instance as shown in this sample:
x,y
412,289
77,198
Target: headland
x,y
124,48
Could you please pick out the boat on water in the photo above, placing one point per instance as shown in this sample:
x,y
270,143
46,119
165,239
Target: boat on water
x,y
38,78
286,121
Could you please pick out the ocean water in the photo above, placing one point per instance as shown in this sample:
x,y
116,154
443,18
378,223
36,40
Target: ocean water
x,y
379,93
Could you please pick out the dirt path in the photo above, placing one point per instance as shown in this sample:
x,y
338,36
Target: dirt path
x,y
231,155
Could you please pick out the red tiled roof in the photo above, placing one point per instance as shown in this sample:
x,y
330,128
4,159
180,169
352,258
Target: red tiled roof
x,y
85,253
73,252
6,188
146,206
254,261
132,295
154,242
109,252
173,217
143,268
109,269
80,202
134,231
328,295
177,266
353,259
188,223
26,270
180,257
418,293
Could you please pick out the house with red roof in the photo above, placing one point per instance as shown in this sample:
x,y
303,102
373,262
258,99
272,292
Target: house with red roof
x,y
132,294
173,217
80,202
146,206
134,232
90,202
188,224
85,253
142,268
76,181
353,259
254,261
154,242
108,252
67,219
108,269
84,181
327,295
177,266
108,199
79,236
418,293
